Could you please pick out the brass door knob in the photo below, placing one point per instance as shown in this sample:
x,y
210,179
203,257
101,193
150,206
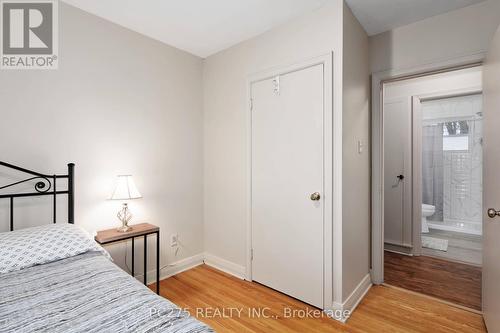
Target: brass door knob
x,y
315,196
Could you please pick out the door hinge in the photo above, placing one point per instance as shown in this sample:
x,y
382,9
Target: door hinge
x,y
251,104
251,254
276,85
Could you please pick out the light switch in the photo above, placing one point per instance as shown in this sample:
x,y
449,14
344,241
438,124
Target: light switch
x,y
360,147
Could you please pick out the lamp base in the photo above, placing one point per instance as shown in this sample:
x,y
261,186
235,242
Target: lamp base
x,y
124,216
124,228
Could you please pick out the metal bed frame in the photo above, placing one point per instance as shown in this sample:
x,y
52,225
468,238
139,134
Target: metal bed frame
x,y
43,185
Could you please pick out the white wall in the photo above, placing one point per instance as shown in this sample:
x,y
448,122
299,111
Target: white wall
x,y
456,34
225,105
119,103
123,103
356,165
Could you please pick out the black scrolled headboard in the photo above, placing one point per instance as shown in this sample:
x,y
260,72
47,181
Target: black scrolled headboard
x,y
43,185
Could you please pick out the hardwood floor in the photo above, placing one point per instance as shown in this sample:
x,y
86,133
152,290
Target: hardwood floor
x,y
451,281
215,298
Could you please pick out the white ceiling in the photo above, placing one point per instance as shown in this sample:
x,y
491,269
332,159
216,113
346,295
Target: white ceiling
x,y
205,27
201,27
377,16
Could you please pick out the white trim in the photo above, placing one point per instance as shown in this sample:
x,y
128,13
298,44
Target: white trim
x,y
225,266
332,231
406,250
248,248
334,234
174,268
409,254
395,243
193,261
377,270
416,177
347,308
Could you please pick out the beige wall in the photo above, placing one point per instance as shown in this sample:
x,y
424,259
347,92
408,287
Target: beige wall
x,y
225,101
119,103
456,34
356,166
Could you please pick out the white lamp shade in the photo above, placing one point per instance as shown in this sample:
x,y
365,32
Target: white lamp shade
x,y
125,189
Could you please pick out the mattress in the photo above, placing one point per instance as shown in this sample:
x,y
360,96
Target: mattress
x,y
85,293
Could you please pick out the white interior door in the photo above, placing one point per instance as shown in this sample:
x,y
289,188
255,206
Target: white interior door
x,y
397,163
491,188
287,169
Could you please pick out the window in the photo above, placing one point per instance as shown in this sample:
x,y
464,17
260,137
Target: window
x,y
456,136
455,128
457,142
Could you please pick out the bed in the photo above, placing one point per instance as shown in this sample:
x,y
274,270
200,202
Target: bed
x,y
56,278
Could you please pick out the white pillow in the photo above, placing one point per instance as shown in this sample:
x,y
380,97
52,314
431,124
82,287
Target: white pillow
x,y
40,245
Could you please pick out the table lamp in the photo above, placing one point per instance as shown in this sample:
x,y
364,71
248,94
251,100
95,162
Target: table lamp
x,y
125,189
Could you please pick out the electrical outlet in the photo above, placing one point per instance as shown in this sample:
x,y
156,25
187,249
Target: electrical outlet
x,y
174,240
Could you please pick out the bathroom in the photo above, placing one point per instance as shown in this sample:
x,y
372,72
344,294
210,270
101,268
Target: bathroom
x,y
432,129
452,178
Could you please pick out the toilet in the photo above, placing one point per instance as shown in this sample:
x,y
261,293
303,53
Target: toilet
x,y
427,210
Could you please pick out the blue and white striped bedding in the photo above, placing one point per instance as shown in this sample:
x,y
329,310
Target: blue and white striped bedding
x,y
85,293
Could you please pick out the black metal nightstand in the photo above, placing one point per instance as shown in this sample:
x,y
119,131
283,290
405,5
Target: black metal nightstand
x,y
138,230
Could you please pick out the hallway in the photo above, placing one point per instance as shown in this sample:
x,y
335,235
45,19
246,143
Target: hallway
x,y
450,281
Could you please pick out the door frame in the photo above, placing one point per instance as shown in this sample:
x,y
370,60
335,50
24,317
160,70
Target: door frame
x,y
378,81
416,110
332,176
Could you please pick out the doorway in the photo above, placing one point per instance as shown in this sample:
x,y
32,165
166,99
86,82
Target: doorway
x,y
452,162
432,130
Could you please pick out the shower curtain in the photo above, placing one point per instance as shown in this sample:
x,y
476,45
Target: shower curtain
x,y
432,168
